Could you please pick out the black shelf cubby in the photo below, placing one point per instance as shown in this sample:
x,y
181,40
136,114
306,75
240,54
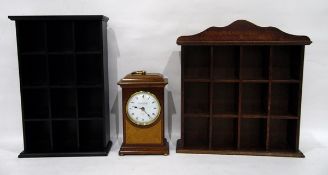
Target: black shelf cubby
x,y
89,102
64,135
63,69
91,135
33,69
37,136
31,32
89,69
84,41
60,36
35,103
63,103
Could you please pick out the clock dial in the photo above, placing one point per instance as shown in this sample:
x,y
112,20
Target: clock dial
x,y
143,108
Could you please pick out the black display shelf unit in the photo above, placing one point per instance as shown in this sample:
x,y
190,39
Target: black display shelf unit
x,y
63,68
241,91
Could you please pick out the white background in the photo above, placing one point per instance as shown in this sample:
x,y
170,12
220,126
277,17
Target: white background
x,y
142,35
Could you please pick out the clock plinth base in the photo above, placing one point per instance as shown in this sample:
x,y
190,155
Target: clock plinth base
x,y
145,149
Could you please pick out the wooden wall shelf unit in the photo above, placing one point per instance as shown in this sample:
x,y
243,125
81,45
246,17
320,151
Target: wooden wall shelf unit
x,y
241,91
63,70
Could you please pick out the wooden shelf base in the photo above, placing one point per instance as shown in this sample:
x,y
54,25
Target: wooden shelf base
x,y
145,150
67,154
296,154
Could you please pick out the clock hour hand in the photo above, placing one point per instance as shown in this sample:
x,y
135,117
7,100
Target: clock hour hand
x,y
143,109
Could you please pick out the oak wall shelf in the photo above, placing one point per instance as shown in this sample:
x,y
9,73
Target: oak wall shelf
x,y
241,91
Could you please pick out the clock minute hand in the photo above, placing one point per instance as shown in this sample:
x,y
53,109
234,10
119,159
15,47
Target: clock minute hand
x,y
147,114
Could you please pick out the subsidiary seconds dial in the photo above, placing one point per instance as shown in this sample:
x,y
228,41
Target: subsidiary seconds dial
x,y
143,108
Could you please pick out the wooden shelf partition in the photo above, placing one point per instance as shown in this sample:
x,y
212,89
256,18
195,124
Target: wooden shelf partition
x,y
63,75
241,91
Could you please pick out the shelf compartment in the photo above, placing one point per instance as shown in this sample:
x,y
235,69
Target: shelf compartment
x,y
284,99
90,102
286,62
254,98
226,62
60,36
196,98
196,133
283,133
224,133
35,103
61,69
31,36
37,134
64,135
89,69
225,98
254,63
33,69
91,135
88,35
196,62
63,103
253,134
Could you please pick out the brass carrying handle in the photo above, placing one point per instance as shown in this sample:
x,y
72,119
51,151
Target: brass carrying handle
x,y
139,72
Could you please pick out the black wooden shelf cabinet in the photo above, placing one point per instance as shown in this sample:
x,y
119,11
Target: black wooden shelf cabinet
x,y
241,91
63,70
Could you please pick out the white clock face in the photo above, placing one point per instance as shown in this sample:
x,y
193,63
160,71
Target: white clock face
x,y
143,108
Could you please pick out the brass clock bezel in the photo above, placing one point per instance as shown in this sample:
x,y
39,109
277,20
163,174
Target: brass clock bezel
x,y
143,123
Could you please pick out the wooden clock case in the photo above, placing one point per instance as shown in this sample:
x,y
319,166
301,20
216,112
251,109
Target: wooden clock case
x,y
140,140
